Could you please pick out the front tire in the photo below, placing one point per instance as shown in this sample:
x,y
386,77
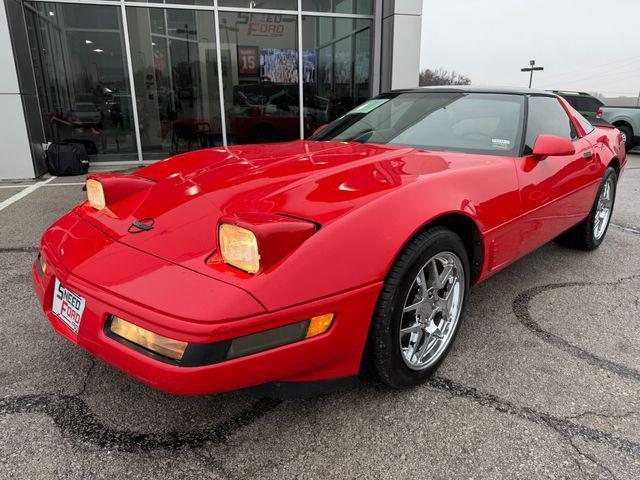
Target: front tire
x,y
420,308
589,234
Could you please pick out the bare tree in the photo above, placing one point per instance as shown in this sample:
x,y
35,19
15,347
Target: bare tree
x,y
440,76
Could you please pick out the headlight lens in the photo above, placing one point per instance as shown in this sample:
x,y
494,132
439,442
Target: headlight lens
x,y
239,247
95,194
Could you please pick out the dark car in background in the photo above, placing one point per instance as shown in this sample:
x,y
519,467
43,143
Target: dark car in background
x,y
584,103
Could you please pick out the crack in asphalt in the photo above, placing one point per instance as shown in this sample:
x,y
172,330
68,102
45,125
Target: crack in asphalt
x,y
211,462
75,419
607,416
564,426
625,228
520,308
588,457
85,382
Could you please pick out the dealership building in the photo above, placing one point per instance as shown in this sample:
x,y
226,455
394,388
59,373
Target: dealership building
x,y
138,81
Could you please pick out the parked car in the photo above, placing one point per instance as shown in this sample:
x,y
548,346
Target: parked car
x,y
625,119
84,114
280,265
584,103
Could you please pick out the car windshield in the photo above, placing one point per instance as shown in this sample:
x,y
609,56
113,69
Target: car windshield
x,y
483,123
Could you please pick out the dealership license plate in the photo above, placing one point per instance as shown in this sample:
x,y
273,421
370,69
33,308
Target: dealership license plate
x,y
68,306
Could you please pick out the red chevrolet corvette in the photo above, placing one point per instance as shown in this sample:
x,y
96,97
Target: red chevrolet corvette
x,y
281,266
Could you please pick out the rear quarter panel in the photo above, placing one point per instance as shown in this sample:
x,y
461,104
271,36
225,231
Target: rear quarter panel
x,y
607,147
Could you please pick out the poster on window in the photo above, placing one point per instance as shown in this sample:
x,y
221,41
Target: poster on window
x,y
309,66
280,65
248,61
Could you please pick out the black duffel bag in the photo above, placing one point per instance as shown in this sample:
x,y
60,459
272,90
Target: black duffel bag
x,y
66,158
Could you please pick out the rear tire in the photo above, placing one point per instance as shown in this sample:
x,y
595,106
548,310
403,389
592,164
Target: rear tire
x,y
627,136
589,234
420,308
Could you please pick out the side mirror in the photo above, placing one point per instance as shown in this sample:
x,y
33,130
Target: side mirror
x,y
552,146
319,129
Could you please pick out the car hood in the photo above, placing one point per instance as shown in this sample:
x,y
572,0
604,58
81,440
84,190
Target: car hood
x,y
316,181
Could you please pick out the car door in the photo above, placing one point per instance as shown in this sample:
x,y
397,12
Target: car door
x,y
555,191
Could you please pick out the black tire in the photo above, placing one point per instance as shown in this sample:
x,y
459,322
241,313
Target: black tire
x,y
384,349
582,236
627,135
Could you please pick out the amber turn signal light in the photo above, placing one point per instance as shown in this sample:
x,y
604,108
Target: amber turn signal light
x,y
319,324
167,347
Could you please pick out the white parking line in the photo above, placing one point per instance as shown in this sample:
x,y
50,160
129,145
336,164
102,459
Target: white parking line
x,y
23,193
67,184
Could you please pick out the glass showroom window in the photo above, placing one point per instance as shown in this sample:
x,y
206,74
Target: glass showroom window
x,y
265,4
360,7
260,76
81,76
206,3
173,53
337,56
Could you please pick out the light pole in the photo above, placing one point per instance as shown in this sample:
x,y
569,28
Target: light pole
x,y
531,69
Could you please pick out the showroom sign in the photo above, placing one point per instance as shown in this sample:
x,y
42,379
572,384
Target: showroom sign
x,y
262,25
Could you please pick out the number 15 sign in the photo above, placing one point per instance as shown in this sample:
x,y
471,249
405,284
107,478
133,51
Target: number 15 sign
x,y
248,61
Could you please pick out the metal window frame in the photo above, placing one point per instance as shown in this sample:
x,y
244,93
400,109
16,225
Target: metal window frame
x,y
132,86
299,13
300,72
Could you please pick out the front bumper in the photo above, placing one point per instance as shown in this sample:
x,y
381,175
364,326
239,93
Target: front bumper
x,y
334,354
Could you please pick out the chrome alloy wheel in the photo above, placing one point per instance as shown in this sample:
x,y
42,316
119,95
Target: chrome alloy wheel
x,y
603,209
431,310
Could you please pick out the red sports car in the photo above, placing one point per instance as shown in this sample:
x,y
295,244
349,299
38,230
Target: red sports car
x,y
282,266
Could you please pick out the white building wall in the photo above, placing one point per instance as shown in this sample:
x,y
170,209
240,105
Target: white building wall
x,y
401,30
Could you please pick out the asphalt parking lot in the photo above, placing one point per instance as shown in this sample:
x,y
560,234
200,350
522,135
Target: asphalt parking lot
x,y
543,382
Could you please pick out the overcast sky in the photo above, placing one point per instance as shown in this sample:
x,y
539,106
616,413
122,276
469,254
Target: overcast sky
x,y
591,45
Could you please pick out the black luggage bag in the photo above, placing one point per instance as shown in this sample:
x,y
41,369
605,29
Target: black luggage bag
x,y
67,158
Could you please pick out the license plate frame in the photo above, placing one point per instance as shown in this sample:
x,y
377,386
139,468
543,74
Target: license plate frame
x,y
68,306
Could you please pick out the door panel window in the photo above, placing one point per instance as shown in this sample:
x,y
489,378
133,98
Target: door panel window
x,y
586,125
547,117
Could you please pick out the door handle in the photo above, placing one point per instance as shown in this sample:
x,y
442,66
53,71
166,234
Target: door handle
x,y
587,155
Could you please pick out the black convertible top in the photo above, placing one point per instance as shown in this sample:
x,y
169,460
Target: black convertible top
x,y
472,89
